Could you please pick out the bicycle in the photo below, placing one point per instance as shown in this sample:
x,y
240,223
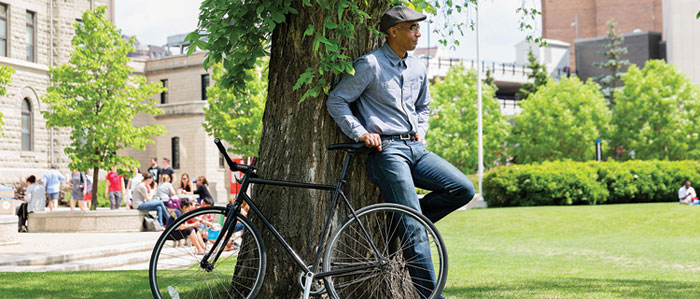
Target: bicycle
x,y
367,256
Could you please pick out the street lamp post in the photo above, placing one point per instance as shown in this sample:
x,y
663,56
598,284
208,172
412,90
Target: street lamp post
x,y
480,125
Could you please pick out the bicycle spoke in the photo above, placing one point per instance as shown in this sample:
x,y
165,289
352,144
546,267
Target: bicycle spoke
x,y
179,267
402,238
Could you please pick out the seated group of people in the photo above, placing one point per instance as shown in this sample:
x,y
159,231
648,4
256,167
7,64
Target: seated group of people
x,y
201,229
147,196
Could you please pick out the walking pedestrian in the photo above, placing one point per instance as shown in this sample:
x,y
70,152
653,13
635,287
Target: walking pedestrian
x,y
52,180
113,192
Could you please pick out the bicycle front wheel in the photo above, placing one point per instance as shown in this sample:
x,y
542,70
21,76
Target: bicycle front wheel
x,y
411,254
180,272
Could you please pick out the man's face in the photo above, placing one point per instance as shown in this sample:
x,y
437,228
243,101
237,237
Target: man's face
x,y
154,162
687,184
406,35
166,163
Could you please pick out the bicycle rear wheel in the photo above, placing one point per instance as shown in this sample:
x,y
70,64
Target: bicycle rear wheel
x,y
178,271
411,253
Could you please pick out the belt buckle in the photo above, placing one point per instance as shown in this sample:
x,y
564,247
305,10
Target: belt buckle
x,y
406,136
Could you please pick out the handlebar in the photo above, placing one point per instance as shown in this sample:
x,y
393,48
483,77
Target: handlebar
x,y
232,165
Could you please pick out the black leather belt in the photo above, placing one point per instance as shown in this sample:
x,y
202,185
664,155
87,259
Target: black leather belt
x,y
403,137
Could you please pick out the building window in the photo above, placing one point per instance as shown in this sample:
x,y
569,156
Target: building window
x,y
175,150
221,160
31,40
3,30
26,125
164,95
205,84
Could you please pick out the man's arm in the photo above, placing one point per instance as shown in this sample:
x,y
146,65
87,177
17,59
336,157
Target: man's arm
x,y
347,91
423,109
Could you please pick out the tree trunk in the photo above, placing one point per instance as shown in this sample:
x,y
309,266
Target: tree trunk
x,y
294,145
95,183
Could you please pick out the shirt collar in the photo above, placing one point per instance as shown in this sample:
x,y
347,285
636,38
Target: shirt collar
x,y
391,55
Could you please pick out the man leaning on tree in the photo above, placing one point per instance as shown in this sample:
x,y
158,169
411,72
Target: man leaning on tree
x,y
390,91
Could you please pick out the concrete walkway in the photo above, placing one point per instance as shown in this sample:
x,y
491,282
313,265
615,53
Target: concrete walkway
x,y
44,244
75,251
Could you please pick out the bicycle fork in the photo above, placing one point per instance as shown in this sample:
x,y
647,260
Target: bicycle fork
x,y
307,284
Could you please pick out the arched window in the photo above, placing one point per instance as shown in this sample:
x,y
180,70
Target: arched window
x,y
26,125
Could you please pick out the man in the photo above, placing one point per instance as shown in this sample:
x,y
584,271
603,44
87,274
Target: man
x,y
52,180
113,190
686,194
154,170
167,170
390,90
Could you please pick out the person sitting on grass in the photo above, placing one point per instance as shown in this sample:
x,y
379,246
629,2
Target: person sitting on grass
x,y
687,195
186,230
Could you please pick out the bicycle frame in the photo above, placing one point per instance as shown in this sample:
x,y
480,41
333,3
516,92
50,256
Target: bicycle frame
x,y
249,177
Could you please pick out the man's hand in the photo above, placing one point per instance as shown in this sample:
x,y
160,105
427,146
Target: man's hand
x,y
372,140
419,138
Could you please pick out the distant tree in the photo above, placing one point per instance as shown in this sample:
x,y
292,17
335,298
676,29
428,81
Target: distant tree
x,y
614,66
453,125
656,115
6,73
237,118
560,121
538,76
97,96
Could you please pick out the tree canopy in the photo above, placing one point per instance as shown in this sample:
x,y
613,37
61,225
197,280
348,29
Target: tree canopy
x,y
656,115
237,118
6,73
538,75
453,121
614,65
97,95
560,121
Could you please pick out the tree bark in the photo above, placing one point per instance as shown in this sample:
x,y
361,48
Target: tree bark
x,y
294,145
95,184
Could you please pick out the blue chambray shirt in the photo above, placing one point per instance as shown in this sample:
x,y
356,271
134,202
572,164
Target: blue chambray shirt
x,y
393,96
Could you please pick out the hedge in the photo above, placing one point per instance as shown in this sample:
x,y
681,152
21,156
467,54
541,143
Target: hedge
x,y
574,183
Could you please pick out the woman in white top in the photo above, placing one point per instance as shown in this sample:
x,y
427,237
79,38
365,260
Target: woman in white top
x,y
165,189
142,199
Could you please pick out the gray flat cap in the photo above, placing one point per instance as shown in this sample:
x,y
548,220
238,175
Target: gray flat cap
x,y
399,14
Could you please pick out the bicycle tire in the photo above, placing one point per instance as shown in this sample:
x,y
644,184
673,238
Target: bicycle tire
x,y
349,247
177,270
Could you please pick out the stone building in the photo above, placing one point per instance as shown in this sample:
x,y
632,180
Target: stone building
x,y
185,143
34,34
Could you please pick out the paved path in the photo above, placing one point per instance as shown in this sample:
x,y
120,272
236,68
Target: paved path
x,y
34,244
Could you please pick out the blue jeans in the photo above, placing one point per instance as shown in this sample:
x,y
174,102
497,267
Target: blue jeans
x,y
155,205
397,170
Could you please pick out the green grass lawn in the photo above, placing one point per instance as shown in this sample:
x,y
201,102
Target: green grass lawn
x,y
608,251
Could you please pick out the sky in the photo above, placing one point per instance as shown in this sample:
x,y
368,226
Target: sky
x,y
152,21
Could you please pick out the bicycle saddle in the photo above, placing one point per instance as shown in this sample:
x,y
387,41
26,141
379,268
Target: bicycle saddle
x,y
349,147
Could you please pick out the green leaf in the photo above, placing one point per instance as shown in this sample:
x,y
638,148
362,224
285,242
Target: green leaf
x,y
309,30
278,17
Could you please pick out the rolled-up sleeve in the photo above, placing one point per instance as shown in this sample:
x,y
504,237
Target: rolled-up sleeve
x,y
347,91
423,107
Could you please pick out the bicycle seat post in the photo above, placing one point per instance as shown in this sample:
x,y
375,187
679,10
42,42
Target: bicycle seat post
x,y
346,164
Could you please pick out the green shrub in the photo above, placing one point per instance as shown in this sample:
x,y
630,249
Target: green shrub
x,y
571,183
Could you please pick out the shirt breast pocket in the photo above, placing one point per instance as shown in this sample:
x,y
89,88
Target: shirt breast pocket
x,y
415,89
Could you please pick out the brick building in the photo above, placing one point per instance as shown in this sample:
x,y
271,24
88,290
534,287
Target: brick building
x,y
567,20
